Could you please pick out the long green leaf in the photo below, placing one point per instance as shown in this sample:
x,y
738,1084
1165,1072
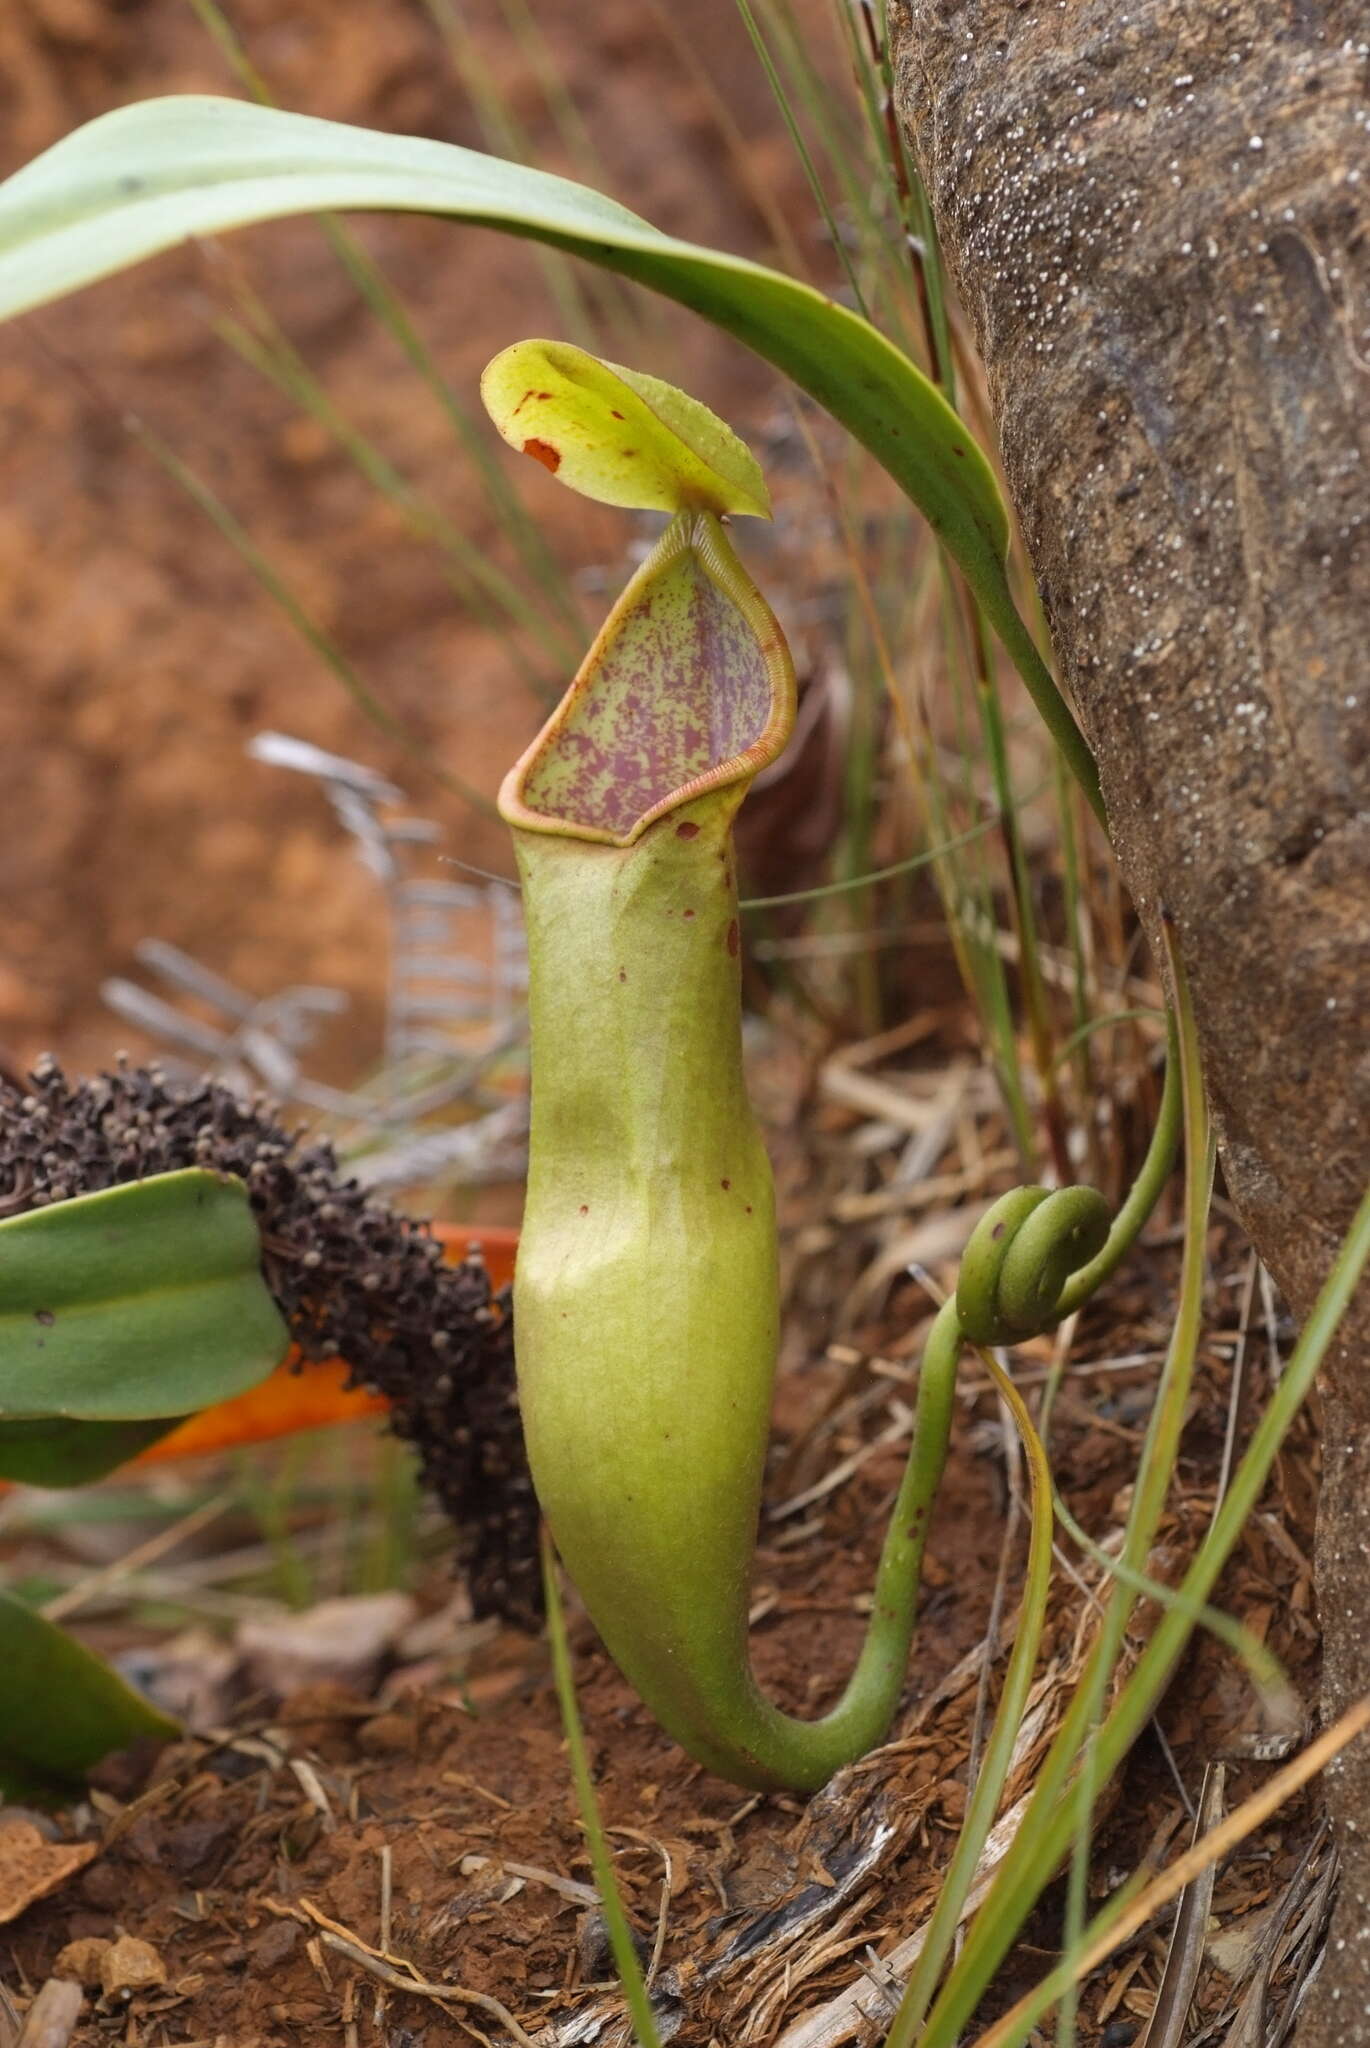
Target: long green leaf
x,y
61,1709
141,1302
147,177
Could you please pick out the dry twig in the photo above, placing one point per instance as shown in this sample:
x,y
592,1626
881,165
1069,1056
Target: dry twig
x,y
396,1972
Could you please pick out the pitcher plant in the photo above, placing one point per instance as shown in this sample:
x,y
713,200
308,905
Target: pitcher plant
x,y
646,1296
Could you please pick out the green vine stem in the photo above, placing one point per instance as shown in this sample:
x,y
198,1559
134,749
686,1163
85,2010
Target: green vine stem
x,y
646,1294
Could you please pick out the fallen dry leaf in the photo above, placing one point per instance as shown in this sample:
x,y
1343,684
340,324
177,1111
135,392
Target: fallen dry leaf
x,y
31,1868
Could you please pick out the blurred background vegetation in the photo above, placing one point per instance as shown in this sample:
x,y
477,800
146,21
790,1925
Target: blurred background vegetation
x,y
251,487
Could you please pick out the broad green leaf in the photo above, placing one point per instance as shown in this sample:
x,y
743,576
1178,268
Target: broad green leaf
x,y
140,1303
61,1709
56,1451
618,435
148,177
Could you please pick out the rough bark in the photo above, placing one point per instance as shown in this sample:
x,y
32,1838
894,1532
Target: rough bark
x,y
1156,214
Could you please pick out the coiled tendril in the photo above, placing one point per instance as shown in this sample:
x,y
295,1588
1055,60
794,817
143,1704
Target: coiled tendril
x,y
1021,1255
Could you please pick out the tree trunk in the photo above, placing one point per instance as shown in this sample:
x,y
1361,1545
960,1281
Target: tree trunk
x,y
1156,215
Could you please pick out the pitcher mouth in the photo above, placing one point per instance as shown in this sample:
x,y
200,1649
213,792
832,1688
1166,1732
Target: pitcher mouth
x,y
688,688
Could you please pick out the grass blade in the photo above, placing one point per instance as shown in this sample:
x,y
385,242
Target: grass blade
x,y
389,309
490,595
615,1919
989,1785
1016,2026
309,630
1184,1957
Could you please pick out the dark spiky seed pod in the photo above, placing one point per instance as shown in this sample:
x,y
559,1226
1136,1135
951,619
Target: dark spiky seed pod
x,y
353,1277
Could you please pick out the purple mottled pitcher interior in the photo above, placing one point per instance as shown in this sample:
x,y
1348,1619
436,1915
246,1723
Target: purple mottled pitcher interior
x,y
680,687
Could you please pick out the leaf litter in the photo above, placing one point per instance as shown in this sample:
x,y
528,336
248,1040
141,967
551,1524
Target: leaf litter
x,y
412,1847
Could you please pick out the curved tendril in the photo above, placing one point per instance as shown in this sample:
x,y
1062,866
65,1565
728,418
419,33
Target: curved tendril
x,y
1035,1257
